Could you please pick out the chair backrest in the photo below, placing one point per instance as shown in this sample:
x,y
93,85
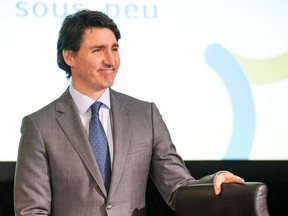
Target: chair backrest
x,y
6,188
248,199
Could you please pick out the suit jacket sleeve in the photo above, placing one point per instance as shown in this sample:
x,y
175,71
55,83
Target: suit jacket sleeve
x,y
32,192
167,167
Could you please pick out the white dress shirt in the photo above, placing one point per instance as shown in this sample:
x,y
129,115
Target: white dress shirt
x,y
83,104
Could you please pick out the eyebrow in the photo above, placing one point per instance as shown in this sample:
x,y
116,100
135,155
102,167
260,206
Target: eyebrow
x,y
102,46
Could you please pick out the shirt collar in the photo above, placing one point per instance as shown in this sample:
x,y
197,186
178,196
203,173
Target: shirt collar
x,y
83,102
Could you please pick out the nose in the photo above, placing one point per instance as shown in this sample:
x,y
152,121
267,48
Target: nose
x,y
109,58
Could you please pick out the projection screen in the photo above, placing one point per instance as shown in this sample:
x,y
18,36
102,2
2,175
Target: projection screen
x,y
224,63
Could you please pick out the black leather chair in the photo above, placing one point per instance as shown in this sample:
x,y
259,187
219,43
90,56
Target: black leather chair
x,y
248,199
198,200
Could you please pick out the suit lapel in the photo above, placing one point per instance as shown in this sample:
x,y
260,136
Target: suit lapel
x,y
71,125
121,121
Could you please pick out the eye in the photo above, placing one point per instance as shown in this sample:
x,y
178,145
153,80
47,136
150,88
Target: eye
x,y
115,49
97,50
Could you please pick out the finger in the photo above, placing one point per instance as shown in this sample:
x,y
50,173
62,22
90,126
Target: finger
x,y
230,178
237,179
218,180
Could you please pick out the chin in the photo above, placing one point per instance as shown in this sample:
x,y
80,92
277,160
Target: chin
x,y
108,84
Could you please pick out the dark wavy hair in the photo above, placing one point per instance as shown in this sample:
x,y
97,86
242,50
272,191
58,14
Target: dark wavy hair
x,y
72,30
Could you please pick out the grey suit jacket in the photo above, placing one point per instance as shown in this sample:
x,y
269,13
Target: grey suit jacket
x,y
56,173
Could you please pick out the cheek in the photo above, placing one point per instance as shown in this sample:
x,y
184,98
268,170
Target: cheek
x,y
118,59
117,63
93,65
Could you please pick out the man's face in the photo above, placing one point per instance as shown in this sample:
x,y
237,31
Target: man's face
x,y
95,65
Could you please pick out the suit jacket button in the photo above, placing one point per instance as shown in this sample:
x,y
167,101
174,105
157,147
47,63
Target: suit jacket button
x,y
109,206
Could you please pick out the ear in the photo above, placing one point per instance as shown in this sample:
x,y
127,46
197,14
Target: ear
x,y
68,57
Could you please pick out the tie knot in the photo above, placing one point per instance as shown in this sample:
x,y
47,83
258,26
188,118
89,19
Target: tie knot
x,y
95,107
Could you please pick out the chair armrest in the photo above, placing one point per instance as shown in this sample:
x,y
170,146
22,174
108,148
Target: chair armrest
x,y
249,199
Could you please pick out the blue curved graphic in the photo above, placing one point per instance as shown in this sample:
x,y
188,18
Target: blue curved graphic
x,y
241,98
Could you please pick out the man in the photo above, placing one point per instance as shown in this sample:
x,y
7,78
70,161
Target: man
x,y
57,172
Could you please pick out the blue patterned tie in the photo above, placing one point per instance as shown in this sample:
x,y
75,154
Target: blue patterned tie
x,y
99,143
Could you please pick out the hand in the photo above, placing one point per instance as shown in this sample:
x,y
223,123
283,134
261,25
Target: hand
x,y
225,177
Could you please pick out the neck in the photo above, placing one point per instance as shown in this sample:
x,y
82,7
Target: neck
x,y
94,94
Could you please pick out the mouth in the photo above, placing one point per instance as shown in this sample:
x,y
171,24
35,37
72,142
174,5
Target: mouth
x,y
107,70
